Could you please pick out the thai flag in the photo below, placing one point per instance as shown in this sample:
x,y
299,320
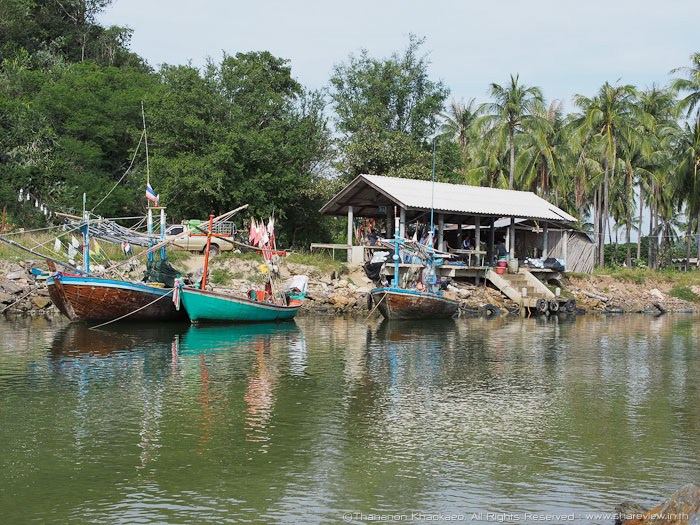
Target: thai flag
x,y
150,194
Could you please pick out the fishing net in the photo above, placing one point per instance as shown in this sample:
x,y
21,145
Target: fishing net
x,y
161,271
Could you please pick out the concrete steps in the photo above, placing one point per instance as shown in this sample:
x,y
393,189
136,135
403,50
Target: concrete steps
x,y
512,284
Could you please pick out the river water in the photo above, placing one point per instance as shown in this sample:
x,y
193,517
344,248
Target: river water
x,y
326,420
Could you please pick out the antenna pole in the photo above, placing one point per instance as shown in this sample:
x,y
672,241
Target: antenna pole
x,y
432,201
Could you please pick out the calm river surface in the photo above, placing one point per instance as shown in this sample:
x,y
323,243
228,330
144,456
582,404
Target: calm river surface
x,y
307,421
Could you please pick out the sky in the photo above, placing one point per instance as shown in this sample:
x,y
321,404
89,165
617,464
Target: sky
x,y
563,47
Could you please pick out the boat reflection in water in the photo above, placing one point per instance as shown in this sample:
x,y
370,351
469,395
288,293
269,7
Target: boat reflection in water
x,y
261,343
147,363
78,340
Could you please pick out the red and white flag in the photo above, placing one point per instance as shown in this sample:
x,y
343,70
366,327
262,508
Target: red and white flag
x,y
251,235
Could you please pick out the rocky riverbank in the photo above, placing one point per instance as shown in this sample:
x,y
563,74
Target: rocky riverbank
x,y
681,508
21,291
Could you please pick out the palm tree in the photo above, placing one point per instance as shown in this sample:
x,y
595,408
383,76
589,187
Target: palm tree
x,y
514,111
611,115
544,162
657,106
459,125
687,180
690,84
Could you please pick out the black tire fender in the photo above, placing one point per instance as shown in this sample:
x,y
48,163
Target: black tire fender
x,y
489,310
541,305
570,306
554,306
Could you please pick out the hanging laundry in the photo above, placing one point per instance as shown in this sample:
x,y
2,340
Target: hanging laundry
x,y
72,252
74,242
57,245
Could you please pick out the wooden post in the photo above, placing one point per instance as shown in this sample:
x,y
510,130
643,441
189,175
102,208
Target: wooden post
x,y
511,241
508,239
545,241
389,234
4,209
206,254
441,228
477,233
565,241
460,236
492,239
351,227
402,224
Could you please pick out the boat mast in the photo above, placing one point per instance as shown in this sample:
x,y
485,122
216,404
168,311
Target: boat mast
x,y
206,254
86,238
432,201
396,249
162,231
148,183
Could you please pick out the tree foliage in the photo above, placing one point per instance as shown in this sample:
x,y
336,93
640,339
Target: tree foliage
x,y
386,112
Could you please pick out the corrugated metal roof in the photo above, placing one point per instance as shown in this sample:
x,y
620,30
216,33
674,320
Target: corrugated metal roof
x,y
459,198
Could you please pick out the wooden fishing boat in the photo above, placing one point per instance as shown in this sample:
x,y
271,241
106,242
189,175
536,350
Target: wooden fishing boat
x,y
208,306
83,298
397,303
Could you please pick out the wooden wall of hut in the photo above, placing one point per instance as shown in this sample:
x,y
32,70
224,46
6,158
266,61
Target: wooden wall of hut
x,y
579,252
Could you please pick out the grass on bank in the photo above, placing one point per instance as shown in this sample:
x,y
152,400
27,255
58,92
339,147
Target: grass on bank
x,y
323,262
642,275
685,293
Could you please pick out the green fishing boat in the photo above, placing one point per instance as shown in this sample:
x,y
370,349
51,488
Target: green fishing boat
x,y
271,304
208,306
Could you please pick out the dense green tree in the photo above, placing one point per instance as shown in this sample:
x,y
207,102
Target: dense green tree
x,y
251,135
386,112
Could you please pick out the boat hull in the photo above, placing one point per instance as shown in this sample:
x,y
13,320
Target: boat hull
x,y
206,306
409,304
93,299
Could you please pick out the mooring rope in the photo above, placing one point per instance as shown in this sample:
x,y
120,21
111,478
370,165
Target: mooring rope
x,y
375,306
18,300
130,313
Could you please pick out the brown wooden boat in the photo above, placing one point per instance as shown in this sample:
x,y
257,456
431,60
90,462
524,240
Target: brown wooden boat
x,y
397,303
92,299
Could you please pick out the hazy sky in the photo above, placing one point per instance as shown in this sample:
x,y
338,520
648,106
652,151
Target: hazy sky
x,y
564,47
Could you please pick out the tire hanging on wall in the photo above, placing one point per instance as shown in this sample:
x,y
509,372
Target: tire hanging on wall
x,y
541,305
554,306
570,306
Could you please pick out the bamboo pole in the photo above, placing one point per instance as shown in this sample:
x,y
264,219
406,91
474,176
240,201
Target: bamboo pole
x,y
206,255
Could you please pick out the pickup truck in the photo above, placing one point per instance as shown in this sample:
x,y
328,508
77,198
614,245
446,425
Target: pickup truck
x,y
197,241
